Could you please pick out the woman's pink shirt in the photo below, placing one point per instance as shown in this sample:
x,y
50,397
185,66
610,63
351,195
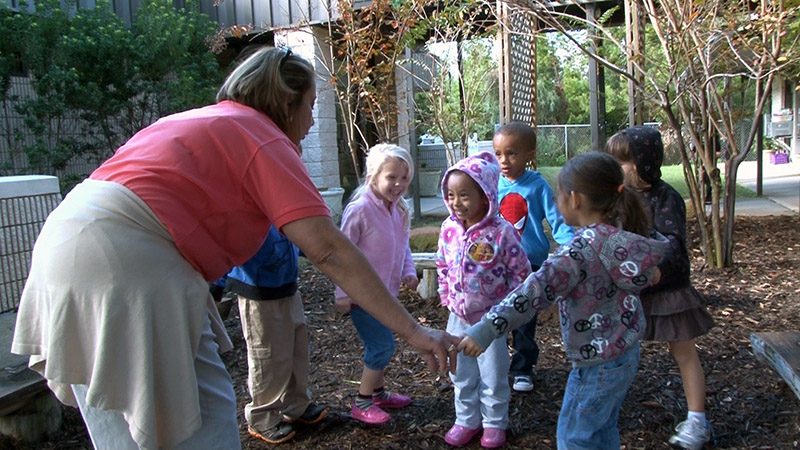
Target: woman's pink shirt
x,y
217,177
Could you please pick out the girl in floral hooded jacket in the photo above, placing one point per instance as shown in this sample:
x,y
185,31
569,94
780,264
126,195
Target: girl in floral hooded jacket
x,y
479,261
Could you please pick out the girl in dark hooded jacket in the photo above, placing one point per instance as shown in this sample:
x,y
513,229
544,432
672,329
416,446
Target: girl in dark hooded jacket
x,y
675,312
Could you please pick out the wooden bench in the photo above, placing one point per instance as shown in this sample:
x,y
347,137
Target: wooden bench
x,y
781,350
429,283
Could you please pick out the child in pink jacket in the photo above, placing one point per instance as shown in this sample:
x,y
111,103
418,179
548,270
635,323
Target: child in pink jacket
x,y
377,221
479,261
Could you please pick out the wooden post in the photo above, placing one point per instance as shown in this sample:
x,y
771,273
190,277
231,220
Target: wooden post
x,y
634,39
597,88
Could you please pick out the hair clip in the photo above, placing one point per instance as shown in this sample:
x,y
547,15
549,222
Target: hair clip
x,y
288,52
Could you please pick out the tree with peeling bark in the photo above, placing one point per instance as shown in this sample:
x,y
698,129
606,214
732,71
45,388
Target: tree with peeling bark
x,y
366,44
703,53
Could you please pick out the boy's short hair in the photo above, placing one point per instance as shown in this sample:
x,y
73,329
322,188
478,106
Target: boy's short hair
x,y
522,130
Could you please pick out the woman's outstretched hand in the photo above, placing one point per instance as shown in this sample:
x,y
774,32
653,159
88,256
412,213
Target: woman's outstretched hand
x,y
437,347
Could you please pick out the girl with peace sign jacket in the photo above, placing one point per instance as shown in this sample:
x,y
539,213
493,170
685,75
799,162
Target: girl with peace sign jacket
x,y
595,279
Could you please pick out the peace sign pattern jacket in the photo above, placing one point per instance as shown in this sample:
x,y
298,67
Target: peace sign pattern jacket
x,y
595,279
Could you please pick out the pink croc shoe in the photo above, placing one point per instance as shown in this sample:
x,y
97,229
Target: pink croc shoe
x,y
373,415
493,438
391,401
459,436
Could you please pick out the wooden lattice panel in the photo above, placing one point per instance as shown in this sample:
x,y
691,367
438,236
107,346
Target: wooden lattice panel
x,y
518,65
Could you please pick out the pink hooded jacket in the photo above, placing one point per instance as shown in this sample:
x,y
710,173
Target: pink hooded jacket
x,y
479,266
382,235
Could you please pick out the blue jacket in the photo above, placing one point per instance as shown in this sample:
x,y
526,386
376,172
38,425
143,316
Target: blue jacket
x,y
526,202
270,274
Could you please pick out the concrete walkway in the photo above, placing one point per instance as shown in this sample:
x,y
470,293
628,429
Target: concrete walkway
x,y
780,191
780,188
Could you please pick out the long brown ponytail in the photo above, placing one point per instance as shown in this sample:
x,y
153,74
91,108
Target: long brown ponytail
x,y
600,178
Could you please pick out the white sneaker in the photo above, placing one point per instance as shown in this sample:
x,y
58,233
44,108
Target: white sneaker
x,y
523,383
691,434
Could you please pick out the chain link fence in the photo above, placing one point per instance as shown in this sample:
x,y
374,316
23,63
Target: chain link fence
x,y
558,143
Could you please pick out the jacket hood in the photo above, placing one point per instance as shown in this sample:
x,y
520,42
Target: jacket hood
x,y
485,170
647,150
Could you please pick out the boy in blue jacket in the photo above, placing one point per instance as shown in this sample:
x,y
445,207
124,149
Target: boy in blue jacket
x,y
274,327
526,200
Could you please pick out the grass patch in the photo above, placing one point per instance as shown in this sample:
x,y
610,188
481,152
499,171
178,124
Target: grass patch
x,y
426,221
424,242
673,175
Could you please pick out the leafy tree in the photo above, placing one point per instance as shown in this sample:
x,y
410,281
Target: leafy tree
x,y
460,99
97,81
551,97
440,107
366,44
705,52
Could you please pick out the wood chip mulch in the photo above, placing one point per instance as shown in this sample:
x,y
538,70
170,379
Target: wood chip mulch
x,y
749,405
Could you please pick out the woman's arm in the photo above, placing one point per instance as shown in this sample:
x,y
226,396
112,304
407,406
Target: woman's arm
x,y
333,253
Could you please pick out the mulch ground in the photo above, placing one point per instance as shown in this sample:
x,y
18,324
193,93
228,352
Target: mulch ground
x,y
749,405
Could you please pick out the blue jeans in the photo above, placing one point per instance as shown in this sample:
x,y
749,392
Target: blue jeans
x,y
526,351
592,400
378,340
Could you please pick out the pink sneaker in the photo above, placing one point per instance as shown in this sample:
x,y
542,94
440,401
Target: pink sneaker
x,y
373,415
458,435
391,401
493,438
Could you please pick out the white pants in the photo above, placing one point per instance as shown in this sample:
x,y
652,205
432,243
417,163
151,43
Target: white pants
x,y
220,430
481,390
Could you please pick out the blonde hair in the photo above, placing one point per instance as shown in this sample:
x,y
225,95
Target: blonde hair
x,y
266,79
377,156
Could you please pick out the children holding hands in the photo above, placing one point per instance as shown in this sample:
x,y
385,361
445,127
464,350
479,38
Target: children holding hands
x,y
479,260
595,279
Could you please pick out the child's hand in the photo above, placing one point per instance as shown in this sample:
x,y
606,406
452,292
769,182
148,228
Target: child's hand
x,y
343,304
469,347
656,276
411,281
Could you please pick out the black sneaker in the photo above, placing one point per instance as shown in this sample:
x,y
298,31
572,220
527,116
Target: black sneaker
x,y
280,433
313,414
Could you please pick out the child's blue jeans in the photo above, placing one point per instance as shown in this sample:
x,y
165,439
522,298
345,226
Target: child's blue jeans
x,y
592,400
378,340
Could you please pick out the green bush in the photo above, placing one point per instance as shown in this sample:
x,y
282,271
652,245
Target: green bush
x,y
96,81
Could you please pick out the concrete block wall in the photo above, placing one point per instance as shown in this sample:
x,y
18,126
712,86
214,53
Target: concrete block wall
x,y
25,203
320,146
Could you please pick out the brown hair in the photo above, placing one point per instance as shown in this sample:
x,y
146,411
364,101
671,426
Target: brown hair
x,y
266,79
618,146
600,178
523,131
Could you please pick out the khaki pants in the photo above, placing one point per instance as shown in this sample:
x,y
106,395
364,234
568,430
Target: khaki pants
x,y
277,358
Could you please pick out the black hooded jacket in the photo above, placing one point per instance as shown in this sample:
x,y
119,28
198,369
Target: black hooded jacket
x,y
663,204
